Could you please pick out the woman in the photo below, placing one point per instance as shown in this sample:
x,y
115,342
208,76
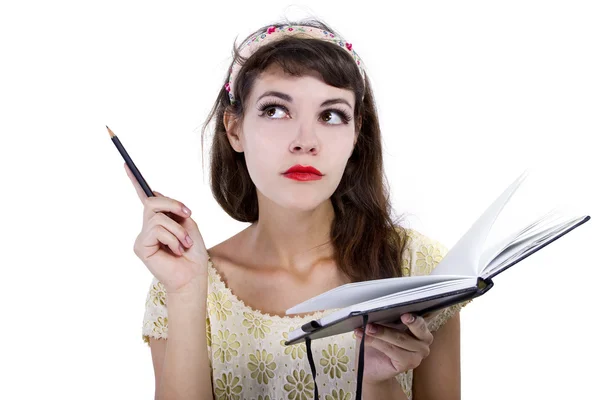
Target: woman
x,y
297,154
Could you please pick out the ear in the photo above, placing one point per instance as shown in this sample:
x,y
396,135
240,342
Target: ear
x,y
232,132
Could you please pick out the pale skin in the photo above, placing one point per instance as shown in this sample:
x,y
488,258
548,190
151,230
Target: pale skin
x,y
286,258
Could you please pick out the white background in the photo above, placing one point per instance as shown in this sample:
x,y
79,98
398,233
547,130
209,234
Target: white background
x,y
470,94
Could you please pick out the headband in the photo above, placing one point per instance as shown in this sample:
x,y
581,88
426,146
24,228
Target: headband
x,y
273,33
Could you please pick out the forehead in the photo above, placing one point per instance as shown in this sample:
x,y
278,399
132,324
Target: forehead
x,y
309,85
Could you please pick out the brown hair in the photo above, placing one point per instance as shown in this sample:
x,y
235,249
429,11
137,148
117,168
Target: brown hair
x,y
367,242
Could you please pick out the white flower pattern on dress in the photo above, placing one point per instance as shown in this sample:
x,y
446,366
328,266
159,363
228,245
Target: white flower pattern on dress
x,y
262,366
226,346
335,361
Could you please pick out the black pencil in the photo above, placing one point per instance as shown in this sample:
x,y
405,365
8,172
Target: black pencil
x,y
130,164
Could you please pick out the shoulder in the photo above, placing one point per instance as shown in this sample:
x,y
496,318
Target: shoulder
x,y
227,262
421,253
230,250
415,240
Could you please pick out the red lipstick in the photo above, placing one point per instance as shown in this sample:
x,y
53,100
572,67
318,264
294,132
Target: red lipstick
x,y
303,173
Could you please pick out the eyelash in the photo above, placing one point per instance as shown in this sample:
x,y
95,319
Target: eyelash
x,y
344,115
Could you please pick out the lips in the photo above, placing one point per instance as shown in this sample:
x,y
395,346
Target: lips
x,y
303,173
303,170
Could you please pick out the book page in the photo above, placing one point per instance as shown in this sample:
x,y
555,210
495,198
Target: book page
x,y
353,293
424,291
527,247
531,203
463,258
400,298
517,239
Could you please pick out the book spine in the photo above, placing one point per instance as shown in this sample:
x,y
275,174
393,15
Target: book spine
x,y
311,326
483,285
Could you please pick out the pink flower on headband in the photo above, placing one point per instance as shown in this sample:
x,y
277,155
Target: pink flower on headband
x,y
272,32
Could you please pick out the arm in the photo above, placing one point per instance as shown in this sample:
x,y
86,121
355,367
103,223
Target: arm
x,y
185,370
158,347
432,350
389,389
438,375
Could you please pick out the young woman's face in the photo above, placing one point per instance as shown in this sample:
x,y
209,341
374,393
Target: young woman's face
x,y
296,121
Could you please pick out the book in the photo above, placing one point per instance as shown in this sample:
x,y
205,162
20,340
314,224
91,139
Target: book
x,y
466,272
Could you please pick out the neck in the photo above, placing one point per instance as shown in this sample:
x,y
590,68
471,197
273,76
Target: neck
x,y
292,240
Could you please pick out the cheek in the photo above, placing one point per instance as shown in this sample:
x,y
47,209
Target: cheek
x,y
339,149
263,157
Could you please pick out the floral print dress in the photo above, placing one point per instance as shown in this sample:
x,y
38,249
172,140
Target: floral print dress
x,y
248,357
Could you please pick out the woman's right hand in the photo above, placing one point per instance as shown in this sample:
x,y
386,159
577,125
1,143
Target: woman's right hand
x,y
162,244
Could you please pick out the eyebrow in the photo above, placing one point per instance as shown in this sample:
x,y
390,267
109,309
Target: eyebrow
x,y
289,98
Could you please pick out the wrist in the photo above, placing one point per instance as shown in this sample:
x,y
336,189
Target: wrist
x,y
196,286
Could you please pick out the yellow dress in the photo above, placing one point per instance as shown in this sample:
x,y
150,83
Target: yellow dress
x,y
246,348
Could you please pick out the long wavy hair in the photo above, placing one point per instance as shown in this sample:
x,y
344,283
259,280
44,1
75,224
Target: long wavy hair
x,y
367,240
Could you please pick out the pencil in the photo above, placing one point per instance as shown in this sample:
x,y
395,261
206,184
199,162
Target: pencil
x,y
130,164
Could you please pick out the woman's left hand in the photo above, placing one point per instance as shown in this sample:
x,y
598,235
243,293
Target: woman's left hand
x,y
389,351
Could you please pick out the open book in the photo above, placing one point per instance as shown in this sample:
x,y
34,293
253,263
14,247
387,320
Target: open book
x,y
464,273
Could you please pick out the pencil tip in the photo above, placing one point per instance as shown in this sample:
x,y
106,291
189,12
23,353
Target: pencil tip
x,y
110,132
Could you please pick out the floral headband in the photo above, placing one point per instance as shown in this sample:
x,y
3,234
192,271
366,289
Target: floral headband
x,y
273,33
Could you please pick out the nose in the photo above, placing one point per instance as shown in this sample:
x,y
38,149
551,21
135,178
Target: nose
x,y
306,141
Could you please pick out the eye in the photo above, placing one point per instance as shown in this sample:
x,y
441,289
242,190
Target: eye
x,y
275,110
271,110
337,116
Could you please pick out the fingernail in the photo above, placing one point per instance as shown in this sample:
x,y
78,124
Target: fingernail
x,y
358,333
186,210
410,319
371,329
188,239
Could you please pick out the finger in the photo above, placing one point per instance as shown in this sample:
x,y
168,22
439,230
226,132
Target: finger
x,y
153,205
418,327
397,338
138,188
193,231
159,234
187,212
173,227
401,358
169,214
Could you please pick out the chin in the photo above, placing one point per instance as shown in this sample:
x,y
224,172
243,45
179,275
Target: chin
x,y
298,196
301,201
300,206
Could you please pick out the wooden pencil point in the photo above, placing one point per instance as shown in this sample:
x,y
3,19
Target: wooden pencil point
x,y
110,132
